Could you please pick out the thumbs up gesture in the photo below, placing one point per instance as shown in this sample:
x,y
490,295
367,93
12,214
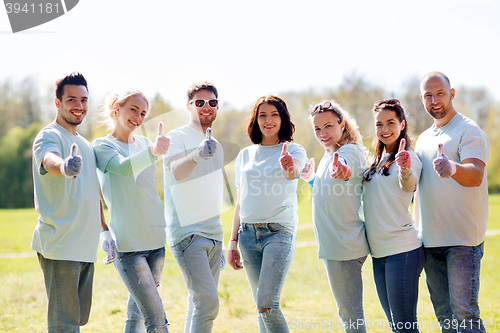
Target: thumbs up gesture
x,y
206,149
340,169
161,144
442,165
286,159
72,165
403,158
308,173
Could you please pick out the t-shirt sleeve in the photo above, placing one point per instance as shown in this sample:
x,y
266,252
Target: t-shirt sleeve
x,y
104,152
237,168
474,144
176,147
298,153
45,142
416,164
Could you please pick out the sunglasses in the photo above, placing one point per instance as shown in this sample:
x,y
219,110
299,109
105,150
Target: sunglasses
x,y
392,101
199,103
326,106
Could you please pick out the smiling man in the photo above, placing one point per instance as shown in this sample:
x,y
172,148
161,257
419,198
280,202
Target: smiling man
x,y
453,195
193,203
67,199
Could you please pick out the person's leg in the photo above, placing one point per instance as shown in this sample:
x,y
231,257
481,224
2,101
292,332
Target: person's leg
x,y
464,263
402,274
278,245
198,258
140,271
62,283
346,284
436,275
251,254
379,266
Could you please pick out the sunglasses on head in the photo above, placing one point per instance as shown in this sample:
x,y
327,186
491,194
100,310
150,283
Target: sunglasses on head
x,y
199,103
325,106
391,101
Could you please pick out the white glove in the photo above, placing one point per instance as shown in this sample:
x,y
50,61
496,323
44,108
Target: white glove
x,y
108,245
442,165
72,164
308,173
206,149
223,257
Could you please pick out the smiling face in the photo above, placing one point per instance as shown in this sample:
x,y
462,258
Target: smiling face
x,y
131,114
437,97
328,129
269,121
202,117
388,128
72,108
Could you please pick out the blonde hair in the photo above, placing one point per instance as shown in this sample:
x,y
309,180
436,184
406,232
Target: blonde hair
x,y
351,133
106,115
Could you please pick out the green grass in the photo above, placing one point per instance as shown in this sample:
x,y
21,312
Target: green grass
x,y
306,299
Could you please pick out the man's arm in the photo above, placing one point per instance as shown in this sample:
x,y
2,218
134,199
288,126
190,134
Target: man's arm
x,y
470,172
52,164
181,167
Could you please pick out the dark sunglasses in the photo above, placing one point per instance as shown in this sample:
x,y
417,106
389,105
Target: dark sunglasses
x,y
199,103
326,106
392,101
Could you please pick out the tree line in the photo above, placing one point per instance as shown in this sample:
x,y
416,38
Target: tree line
x,y
24,111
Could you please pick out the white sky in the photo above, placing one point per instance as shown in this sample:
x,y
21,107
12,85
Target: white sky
x,y
254,48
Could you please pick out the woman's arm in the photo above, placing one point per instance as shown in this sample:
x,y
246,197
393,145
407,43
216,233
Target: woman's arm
x,y
233,256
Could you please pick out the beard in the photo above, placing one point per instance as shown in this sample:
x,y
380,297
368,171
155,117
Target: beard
x,y
71,122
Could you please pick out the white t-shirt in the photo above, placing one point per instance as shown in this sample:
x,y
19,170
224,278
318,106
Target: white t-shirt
x,y
450,213
69,222
193,205
389,224
266,196
137,219
336,204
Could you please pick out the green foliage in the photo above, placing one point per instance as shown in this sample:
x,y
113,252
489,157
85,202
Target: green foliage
x,y
16,180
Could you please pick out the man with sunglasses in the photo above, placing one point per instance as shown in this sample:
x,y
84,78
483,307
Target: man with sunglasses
x,y
193,203
453,198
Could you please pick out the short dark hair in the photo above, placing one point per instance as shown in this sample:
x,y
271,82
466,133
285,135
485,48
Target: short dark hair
x,y
195,87
74,78
287,128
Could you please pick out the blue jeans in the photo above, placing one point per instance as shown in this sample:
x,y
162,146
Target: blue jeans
x,y
69,291
452,274
396,278
199,258
346,284
141,272
267,250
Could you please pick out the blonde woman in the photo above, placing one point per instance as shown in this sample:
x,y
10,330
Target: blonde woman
x,y
337,187
126,171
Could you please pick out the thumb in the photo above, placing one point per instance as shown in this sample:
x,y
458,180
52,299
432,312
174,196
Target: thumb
x,y
74,149
440,150
160,128
336,159
285,149
208,133
311,161
402,145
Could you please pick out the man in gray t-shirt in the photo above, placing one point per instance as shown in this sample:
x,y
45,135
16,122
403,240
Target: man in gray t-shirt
x,y
453,199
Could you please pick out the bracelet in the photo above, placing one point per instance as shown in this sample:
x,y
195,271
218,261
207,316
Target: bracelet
x,y
193,160
233,240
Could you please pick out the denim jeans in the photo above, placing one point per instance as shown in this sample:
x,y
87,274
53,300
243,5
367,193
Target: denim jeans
x,y
199,258
452,274
267,250
396,278
69,291
141,272
346,284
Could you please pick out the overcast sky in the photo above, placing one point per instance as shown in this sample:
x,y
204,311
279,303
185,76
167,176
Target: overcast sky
x,y
254,48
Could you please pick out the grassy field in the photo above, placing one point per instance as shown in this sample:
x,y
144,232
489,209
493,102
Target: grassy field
x,y
306,300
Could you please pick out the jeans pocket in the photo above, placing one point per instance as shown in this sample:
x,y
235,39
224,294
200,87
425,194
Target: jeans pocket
x,y
122,256
184,244
278,228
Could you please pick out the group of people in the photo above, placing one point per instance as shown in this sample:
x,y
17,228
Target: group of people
x,y
361,206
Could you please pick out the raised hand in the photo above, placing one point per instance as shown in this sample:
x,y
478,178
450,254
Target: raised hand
x,y
206,149
286,159
72,165
308,172
442,165
161,144
403,158
340,169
